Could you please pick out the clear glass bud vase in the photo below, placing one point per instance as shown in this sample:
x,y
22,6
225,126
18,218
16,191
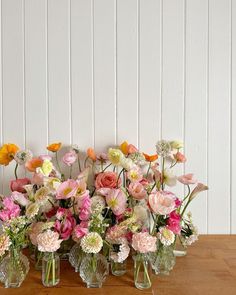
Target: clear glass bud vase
x,y
93,270
50,269
14,268
163,260
38,257
142,271
75,256
180,250
118,268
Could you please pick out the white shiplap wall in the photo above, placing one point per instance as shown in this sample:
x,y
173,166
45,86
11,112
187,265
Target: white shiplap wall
x,y
97,72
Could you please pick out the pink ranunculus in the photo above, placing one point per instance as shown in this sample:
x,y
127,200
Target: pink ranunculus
x,y
137,190
116,199
18,184
10,209
37,178
143,242
66,226
173,223
187,179
67,189
20,198
69,158
162,202
107,179
180,158
80,231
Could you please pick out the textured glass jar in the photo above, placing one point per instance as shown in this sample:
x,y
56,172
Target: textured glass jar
x,y
93,270
118,268
75,256
163,260
14,268
65,248
142,271
179,250
50,269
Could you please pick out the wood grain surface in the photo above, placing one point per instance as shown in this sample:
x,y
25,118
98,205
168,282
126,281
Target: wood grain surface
x,y
208,269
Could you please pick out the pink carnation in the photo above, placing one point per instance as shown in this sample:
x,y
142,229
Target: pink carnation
x,y
144,243
162,202
173,222
137,190
67,189
107,179
48,241
69,158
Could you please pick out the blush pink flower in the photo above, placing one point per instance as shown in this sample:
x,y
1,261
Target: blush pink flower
x,y
48,241
173,222
67,189
20,198
10,209
38,178
69,158
180,158
35,230
80,231
116,199
135,174
143,242
187,179
162,202
18,184
107,180
45,157
137,190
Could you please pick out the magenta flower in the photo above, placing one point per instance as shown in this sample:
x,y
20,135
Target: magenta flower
x,y
66,225
67,189
173,223
10,209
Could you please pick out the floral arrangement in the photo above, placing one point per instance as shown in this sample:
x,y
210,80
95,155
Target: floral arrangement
x,y
116,202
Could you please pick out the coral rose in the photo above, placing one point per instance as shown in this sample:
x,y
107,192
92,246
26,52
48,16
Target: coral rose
x,y
107,179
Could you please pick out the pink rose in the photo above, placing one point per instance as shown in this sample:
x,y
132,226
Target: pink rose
x,y
70,158
162,202
67,189
18,184
137,190
187,179
180,158
107,179
173,223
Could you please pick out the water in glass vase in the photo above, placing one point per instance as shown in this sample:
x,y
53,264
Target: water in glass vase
x,y
142,271
50,269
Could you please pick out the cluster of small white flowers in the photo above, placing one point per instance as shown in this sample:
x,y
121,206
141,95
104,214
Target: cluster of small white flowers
x,y
138,158
193,238
92,243
166,236
15,225
4,244
21,157
163,148
98,204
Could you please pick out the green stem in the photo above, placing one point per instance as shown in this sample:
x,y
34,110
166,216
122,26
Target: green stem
x,y
71,171
53,270
163,169
106,167
149,166
79,163
58,166
119,177
85,162
15,171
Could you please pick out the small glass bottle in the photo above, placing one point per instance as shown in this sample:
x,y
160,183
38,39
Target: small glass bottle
x,y
142,271
118,268
50,269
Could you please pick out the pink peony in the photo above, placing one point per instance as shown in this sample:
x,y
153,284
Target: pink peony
x,y
187,179
144,243
80,231
69,158
107,179
137,190
173,223
10,210
180,158
162,202
67,189
48,241
18,184
65,226
116,199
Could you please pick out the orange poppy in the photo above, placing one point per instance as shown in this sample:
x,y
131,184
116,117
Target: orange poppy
x,y
33,164
54,147
7,153
124,147
91,154
151,158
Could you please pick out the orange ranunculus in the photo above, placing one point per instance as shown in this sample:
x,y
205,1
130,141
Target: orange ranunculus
x,y
33,164
54,147
91,154
124,147
7,153
151,158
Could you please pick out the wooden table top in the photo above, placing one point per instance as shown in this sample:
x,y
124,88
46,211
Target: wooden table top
x,y
208,269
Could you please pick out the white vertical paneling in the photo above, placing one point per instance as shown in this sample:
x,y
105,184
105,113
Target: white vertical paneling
x,y
12,78
59,71
104,72
219,117
196,102
82,72
35,74
233,122
173,75
127,70
150,74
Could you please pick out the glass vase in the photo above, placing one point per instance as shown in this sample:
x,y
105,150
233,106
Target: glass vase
x,y
14,268
180,250
118,268
142,271
65,248
50,269
163,260
93,270
75,256
38,259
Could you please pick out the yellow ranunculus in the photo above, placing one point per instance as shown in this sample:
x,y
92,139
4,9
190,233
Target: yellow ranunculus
x,y
115,156
7,153
46,168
